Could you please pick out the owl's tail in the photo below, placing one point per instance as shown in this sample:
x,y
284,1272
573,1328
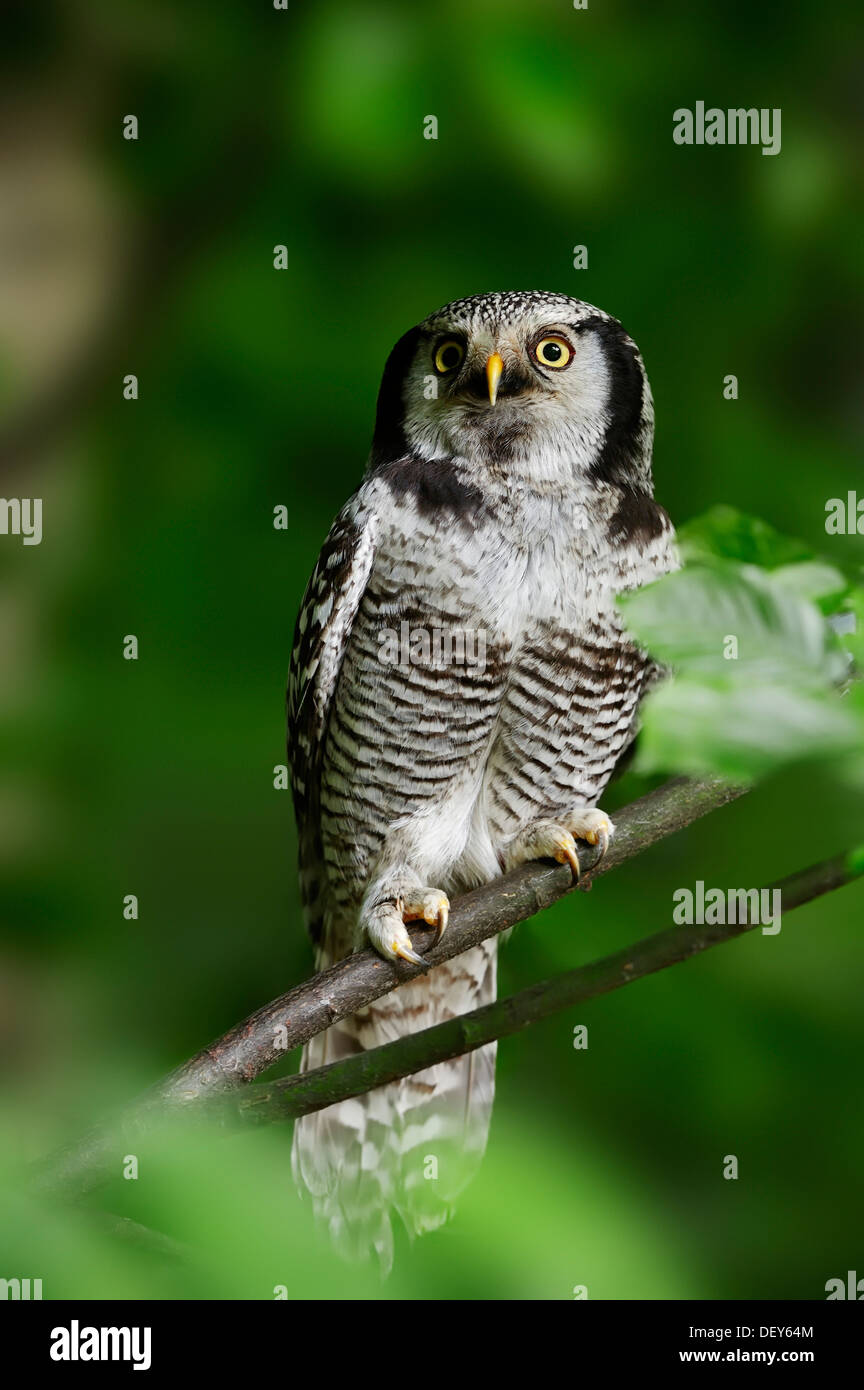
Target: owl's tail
x,y
413,1145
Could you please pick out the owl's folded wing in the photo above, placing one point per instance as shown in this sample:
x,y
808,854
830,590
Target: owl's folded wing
x,y
321,636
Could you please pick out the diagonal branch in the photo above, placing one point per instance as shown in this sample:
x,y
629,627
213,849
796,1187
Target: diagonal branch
x,y
263,1039
314,1090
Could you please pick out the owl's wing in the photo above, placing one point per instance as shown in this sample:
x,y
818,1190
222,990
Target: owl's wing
x,y
321,636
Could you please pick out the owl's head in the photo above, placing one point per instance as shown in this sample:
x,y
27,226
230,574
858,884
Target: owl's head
x,y
537,384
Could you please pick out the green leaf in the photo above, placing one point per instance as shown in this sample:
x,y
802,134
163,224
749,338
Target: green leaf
x,y
733,621
850,626
727,534
741,729
815,580
757,669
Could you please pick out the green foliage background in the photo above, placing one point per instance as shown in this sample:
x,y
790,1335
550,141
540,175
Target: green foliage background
x,y
257,388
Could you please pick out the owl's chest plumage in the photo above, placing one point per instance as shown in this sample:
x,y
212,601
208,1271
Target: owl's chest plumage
x,y
486,680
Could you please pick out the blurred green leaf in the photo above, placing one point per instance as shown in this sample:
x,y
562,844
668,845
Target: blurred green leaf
x,y
815,580
741,729
849,626
756,670
734,621
725,533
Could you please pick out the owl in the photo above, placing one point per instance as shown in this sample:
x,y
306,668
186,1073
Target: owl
x,y
461,689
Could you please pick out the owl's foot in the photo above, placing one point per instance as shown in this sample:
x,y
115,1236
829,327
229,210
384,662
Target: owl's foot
x,y
383,922
556,838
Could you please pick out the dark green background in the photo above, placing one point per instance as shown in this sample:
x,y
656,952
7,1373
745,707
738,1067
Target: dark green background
x,y
257,388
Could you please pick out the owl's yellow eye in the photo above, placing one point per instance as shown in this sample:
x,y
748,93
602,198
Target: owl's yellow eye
x,y
448,355
553,352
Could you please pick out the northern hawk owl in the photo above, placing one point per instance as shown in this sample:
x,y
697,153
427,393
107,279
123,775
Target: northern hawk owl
x,y
461,689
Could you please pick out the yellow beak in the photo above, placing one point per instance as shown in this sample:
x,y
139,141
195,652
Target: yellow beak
x,y
494,368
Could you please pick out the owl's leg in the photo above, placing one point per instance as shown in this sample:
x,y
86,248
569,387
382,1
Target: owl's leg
x,y
390,901
555,838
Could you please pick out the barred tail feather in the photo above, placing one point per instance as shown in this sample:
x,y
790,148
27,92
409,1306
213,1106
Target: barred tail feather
x,y
411,1146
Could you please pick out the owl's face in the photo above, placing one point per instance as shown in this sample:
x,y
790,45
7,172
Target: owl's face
x,y
540,384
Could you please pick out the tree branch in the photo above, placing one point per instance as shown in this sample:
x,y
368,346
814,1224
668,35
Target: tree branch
x,y
314,1090
263,1039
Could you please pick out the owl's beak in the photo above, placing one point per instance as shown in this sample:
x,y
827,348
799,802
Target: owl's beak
x,y
494,368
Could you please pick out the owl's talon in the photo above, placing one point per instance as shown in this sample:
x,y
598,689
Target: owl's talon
x,y
398,947
593,826
567,855
440,923
556,839
602,839
409,954
383,923
428,905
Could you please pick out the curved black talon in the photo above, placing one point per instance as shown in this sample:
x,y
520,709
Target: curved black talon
x,y
440,925
603,843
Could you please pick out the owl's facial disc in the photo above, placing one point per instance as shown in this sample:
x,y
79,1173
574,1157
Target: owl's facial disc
x,y
534,381
488,387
